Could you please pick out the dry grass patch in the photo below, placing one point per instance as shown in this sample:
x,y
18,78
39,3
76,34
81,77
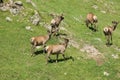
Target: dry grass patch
x,y
93,53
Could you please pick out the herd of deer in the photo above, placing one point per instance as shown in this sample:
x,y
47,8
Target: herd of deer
x,y
42,40
92,19
61,47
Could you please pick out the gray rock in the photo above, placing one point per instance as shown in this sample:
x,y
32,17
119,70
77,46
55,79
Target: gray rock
x,y
18,3
28,28
14,11
36,21
8,19
4,8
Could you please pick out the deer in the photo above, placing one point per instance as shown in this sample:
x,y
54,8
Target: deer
x,y
91,19
55,22
39,41
56,49
108,32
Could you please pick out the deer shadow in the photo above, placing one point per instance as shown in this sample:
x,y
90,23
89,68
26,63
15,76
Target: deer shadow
x,y
39,52
60,60
93,29
61,34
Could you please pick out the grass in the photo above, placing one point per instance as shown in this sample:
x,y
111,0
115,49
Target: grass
x,y
17,64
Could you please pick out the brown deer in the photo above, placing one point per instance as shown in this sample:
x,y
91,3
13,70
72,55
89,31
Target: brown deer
x,y
39,40
55,24
91,19
56,49
108,32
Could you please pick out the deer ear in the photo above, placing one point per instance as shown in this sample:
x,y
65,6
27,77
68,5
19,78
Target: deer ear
x,y
113,21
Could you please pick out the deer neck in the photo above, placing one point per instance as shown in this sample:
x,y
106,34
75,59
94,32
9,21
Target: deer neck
x,y
49,36
114,27
59,19
66,44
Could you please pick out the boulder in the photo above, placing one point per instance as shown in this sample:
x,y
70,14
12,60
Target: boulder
x,y
8,19
18,3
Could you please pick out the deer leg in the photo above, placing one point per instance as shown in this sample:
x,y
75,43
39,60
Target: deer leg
x,y
44,45
87,24
86,21
92,25
95,28
48,56
108,39
57,58
34,46
111,39
55,34
32,50
56,31
63,56
53,29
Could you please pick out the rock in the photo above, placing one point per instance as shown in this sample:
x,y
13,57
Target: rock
x,y
28,28
14,11
36,21
8,19
19,3
4,8
106,73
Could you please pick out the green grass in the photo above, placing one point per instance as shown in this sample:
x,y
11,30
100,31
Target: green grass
x,y
17,64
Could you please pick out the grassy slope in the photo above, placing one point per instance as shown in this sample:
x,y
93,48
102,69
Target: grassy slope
x,y
16,63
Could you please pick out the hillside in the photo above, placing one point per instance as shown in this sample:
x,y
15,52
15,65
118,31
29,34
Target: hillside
x,y
92,59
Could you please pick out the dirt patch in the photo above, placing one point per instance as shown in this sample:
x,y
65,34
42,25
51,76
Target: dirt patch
x,y
93,53
74,44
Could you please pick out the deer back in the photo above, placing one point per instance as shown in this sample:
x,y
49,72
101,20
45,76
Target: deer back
x,y
55,49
